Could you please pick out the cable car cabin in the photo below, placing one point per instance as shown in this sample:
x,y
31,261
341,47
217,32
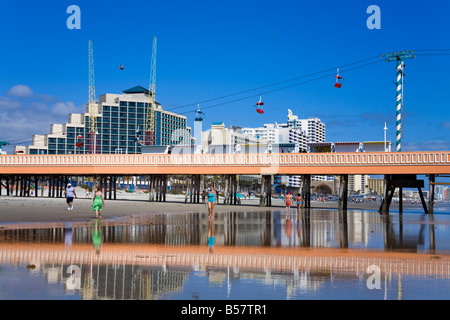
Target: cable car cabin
x,y
259,107
339,81
121,67
80,142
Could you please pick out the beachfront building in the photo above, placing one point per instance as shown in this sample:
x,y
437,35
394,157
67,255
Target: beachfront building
x,y
220,139
121,122
358,183
376,185
292,136
297,131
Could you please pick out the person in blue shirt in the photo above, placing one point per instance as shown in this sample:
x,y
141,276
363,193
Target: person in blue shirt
x,y
212,200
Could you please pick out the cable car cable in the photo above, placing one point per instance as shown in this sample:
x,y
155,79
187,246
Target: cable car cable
x,y
278,89
270,85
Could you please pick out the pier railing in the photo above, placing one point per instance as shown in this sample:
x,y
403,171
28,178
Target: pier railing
x,y
440,160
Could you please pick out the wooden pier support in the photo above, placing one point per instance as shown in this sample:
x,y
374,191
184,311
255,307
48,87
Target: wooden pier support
x,y
306,190
432,183
343,192
265,199
157,187
392,181
230,192
195,181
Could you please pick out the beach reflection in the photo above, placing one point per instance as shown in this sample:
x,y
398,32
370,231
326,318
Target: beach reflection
x,y
158,256
309,228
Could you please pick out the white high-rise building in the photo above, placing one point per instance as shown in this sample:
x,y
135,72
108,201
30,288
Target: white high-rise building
x,y
294,131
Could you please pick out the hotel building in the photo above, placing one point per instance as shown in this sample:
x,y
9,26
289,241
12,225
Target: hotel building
x,y
120,121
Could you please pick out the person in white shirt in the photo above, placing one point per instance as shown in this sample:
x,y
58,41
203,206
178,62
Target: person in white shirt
x,y
70,194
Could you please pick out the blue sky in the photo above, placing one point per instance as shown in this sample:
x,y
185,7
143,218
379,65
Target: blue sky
x,y
211,49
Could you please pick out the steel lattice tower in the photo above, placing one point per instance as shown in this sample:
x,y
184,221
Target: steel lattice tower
x,y
150,131
399,57
92,106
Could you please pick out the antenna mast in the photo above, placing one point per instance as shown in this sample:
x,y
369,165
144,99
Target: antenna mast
x,y
151,107
92,106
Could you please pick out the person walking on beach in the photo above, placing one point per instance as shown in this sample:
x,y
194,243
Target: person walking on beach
x,y
204,195
287,201
212,200
70,194
98,203
299,200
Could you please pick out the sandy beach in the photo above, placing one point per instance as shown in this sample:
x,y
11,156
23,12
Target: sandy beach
x,y
44,209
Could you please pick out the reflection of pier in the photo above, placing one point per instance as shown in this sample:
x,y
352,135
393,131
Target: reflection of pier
x,y
311,229
195,257
151,256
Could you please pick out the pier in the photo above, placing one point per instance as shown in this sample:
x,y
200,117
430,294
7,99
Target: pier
x,y
400,170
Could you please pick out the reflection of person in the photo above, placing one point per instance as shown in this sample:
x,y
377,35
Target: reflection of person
x,y
98,204
97,234
298,199
287,200
288,227
70,194
211,237
212,200
68,234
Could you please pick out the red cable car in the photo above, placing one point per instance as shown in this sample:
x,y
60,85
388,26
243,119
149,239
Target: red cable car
x,y
259,107
339,80
80,143
121,67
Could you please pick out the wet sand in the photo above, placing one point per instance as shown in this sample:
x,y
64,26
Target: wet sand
x,y
44,209
16,210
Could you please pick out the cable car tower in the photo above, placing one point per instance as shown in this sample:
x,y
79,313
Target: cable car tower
x,y
150,132
92,104
399,57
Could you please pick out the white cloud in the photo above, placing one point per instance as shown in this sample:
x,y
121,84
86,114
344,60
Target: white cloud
x,y
20,120
20,91
9,104
432,145
64,108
